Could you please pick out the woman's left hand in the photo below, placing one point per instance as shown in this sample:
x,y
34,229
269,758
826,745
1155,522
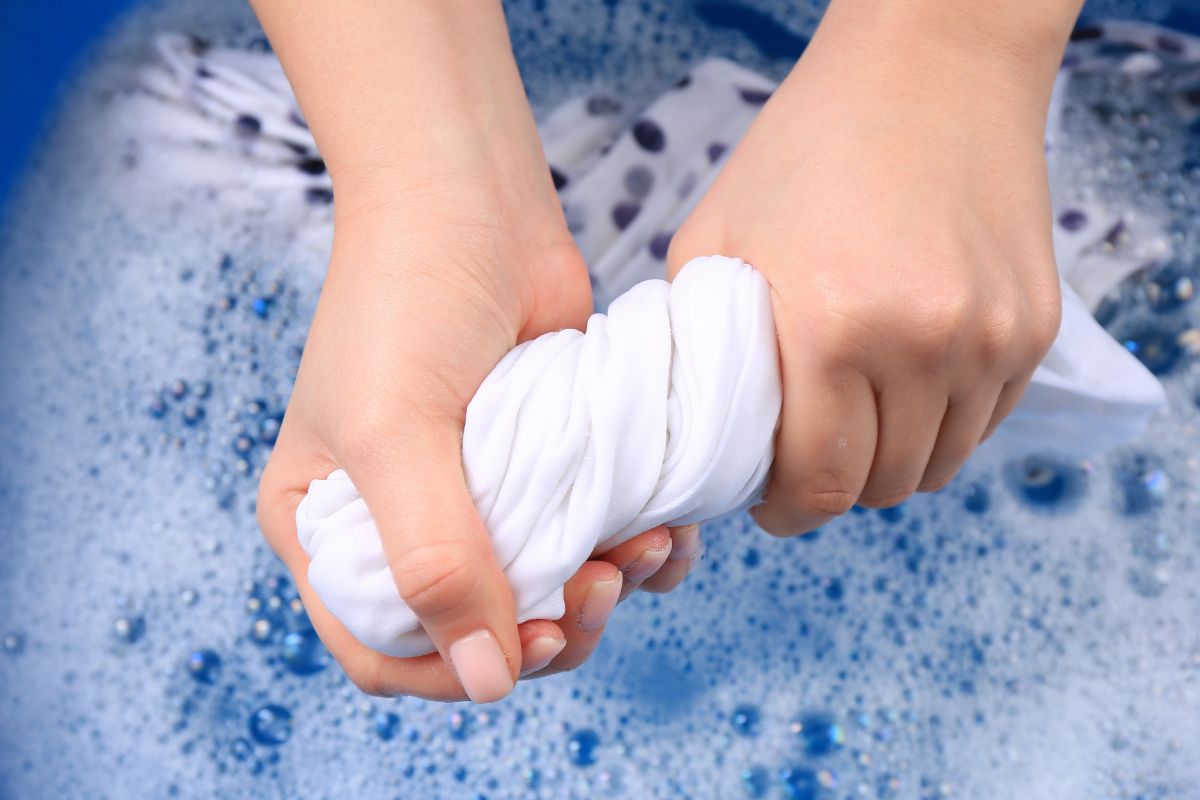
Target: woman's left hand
x,y
893,191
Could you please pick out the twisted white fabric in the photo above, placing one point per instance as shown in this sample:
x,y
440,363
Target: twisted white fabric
x,y
664,411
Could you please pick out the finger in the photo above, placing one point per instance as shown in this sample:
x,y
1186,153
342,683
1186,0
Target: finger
x,y
374,673
439,551
822,453
910,415
686,550
1010,395
590,595
640,557
541,642
960,433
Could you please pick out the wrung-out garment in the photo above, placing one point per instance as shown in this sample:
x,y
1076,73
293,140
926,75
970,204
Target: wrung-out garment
x,y
664,411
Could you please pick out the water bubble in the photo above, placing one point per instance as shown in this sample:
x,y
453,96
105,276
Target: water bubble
x,y
755,781
581,747
387,725
241,749
204,666
303,653
262,306
819,734
1149,582
799,783
262,630
193,415
1043,483
129,629
271,725
459,724
268,429
178,389
14,643
1153,545
977,499
892,514
1157,348
745,719
1142,483
157,407
1169,289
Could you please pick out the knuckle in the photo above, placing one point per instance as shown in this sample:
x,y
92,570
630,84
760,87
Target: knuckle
x,y
933,328
894,495
938,482
825,502
435,578
269,502
999,334
1046,320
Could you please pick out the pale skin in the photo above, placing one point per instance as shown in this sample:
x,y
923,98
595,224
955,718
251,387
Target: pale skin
x,y
893,192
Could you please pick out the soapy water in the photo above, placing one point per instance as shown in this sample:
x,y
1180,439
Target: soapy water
x,y
1029,631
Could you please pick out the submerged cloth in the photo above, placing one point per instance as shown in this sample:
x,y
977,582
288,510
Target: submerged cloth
x,y
664,410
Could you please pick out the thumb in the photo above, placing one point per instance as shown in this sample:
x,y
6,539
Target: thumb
x,y
440,553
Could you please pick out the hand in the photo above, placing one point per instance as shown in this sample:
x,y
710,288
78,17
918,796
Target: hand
x,y
424,295
893,191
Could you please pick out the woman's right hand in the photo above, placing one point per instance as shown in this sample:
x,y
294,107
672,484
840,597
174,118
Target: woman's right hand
x,y
449,248
427,289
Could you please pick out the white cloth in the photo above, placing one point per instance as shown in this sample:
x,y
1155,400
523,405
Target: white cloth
x,y
664,411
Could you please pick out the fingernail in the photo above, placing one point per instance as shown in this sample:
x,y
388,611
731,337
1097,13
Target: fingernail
x,y
646,565
481,667
683,542
598,603
539,653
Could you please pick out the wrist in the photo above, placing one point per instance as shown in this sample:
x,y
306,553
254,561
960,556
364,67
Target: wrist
x,y
1002,55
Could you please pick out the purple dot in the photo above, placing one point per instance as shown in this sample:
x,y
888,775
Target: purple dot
x,y
715,151
755,97
296,119
659,244
602,105
247,125
1072,220
318,195
649,136
311,166
559,179
1169,44
624,213
639,181
1086,33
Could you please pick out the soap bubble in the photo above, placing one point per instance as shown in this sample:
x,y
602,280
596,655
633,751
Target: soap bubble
x,y
271,725
745,719
204,666
581,747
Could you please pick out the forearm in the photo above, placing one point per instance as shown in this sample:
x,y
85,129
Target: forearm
x,y
401,91
1002,52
